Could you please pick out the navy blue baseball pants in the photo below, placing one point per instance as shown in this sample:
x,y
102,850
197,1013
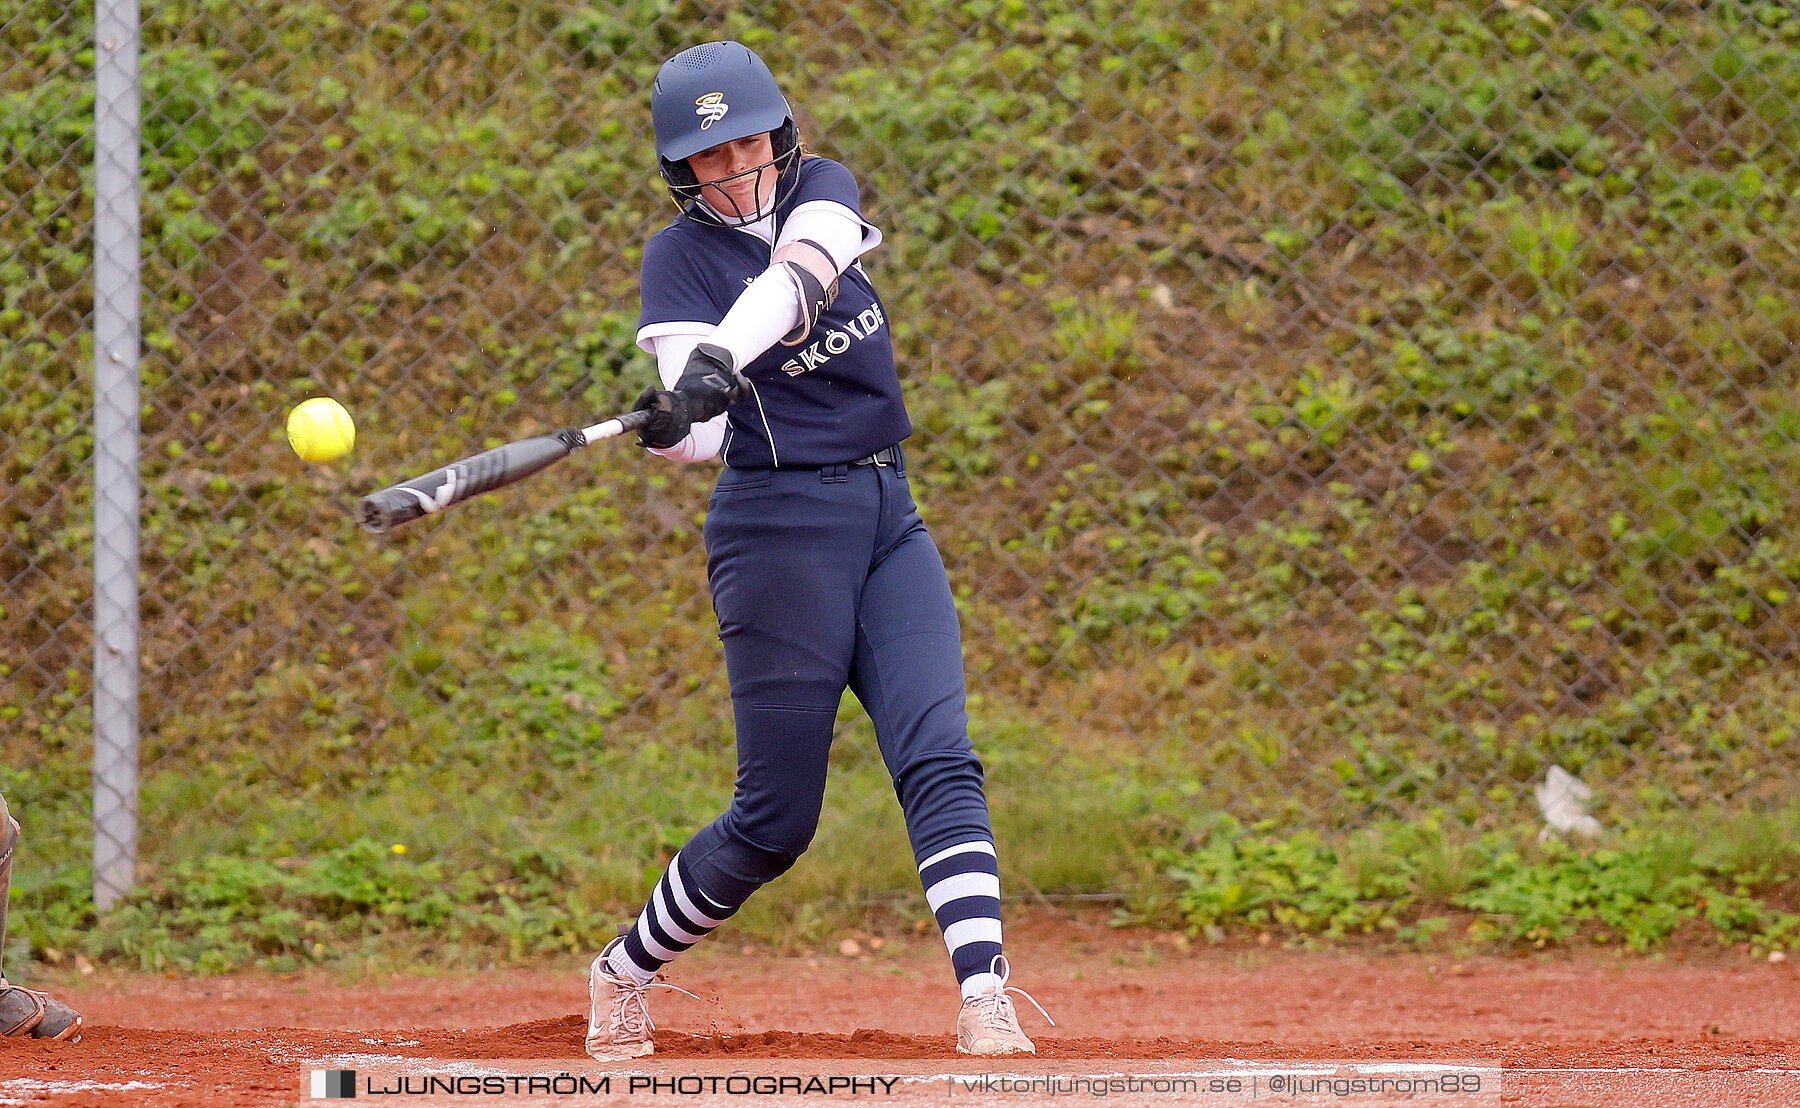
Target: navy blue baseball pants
x,y
826,579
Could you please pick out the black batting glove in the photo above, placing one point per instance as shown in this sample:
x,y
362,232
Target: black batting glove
x,y
669,422
709,384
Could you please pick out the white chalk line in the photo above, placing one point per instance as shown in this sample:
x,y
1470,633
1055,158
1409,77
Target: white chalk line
x,y
48,1088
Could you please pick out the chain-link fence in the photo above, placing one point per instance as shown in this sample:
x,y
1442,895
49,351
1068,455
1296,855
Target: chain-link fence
x,y
1330,412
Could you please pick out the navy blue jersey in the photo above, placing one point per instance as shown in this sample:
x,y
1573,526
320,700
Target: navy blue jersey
x,y
833,398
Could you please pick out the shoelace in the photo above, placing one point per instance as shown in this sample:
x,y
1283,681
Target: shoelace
x,y
993,1005
631,1001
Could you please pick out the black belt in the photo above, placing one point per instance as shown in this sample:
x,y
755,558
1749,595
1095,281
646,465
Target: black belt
x,y
887,457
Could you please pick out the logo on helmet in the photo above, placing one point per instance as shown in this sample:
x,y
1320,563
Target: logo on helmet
x,y
711,108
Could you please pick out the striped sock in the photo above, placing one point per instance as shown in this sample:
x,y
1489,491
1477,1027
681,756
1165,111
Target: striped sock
x,y
962,885
677,916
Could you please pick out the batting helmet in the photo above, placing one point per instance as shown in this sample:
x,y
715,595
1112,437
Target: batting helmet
x,y
714,93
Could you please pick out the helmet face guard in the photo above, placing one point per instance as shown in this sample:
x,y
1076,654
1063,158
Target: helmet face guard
x,y
685,188
712,94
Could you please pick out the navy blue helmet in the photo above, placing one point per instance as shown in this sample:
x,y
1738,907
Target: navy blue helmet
x,y
715,93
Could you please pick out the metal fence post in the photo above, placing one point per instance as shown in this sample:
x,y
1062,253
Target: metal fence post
x,y
116,388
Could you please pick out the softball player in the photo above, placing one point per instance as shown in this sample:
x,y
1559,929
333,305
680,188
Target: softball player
x,y
775,355
25,1011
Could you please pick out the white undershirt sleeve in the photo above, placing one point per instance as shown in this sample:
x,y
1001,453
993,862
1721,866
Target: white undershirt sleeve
x,y
769,306
672,350
767,309
845,235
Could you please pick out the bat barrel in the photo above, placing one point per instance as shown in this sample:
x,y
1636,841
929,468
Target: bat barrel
x,y
381,512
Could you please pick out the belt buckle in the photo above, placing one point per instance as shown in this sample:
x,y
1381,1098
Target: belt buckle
x,y
883,458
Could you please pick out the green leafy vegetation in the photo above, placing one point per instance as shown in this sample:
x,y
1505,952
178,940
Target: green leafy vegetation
x,y
1412,885
1428,885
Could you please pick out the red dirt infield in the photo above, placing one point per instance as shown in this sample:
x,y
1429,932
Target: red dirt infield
x,y
1142,1017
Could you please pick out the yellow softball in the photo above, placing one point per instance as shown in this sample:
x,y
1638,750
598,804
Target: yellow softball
x,y
320,430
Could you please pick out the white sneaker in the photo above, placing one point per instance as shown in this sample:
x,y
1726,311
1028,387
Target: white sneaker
x,y
988,1023
619,1022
